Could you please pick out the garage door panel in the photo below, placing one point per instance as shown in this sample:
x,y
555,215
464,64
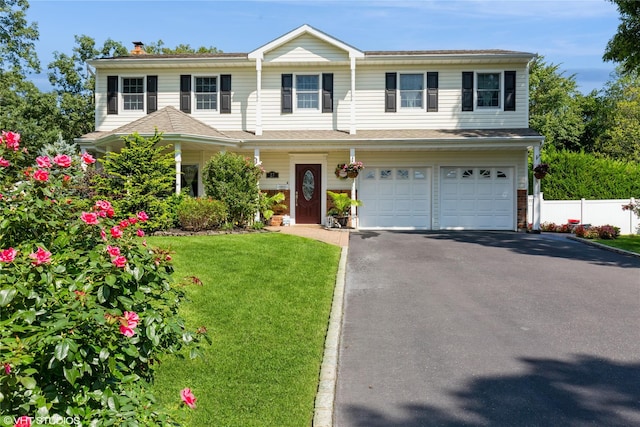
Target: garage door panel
x,y
477,198
402,198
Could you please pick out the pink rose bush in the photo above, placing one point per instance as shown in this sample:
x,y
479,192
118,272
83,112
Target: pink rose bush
x,y
188,398
86,307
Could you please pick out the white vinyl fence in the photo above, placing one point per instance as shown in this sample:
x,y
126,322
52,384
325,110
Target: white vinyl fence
x,y
594,212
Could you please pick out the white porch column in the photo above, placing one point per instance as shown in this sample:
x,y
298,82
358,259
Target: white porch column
x,y
536,192
354,218
177,155
259,97
257,161
352,123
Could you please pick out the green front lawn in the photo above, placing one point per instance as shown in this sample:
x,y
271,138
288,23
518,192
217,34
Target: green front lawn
x,y
265,301
629,242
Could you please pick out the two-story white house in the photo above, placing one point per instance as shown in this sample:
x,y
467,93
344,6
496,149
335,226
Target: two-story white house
x,y
443,135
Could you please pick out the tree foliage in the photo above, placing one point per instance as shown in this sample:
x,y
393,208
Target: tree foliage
x,y
158,48
553,105
17,38
623,47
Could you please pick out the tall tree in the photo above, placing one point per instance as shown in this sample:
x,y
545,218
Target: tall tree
x,y
554,109
624,47
74,85
17,38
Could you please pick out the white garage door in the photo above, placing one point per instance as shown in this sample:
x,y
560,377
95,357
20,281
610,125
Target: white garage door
x,y
473,198
395,197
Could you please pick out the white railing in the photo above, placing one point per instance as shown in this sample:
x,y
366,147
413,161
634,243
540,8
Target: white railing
x,y
594,212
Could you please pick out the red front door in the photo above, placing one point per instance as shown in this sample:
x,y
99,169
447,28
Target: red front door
x,y
307,197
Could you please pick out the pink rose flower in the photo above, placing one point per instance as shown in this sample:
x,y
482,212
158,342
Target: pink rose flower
x,y
132,318
40,256
41,175
140,233
124,223
188,398
133,220
4,162
103,235
23,421
142,216
43,162
102,205
8,255
89,218
116,233
7,369
12,139
62,160
113,250
88,158
127,331
119,261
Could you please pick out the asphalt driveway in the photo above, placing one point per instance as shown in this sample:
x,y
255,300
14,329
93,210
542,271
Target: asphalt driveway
x,y
487,329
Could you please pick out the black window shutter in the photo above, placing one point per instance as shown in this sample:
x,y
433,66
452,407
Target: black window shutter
x,y
225,94
287,93
390,94
152,94
327,92
509,91
112,94
467,91
432,91
185,93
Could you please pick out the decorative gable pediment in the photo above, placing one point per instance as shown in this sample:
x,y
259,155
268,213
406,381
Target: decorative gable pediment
x,y
306,44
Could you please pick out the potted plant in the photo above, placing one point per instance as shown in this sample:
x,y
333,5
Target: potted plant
x,y
541,170
341,206
348,170
269,204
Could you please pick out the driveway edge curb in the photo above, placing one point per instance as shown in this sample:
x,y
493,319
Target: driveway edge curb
x,y
325,397
601,246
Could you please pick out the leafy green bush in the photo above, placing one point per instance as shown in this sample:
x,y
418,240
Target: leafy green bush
x,y
201,213
141,177
233,179
86,308
575,176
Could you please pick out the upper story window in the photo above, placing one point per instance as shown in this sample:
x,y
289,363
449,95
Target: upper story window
x,y
488,90
206,91
307,92
411,89
133,93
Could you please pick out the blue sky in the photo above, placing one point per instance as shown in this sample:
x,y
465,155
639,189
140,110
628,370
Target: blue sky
x,y
571,33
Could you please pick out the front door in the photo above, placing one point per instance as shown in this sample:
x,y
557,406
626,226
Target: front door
x,y
307,197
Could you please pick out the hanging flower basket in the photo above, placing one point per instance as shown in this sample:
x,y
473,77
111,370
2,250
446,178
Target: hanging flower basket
x,y
348,170
541,170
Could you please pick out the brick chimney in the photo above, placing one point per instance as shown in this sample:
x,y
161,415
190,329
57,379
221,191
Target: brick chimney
x,y
138,48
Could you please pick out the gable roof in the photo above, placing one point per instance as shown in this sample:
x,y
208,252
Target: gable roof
x,y
305,29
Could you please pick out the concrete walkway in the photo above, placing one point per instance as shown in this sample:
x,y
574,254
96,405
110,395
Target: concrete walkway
x,y
333,236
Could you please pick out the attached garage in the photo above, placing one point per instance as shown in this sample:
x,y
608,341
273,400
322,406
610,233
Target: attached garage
x,y
477,198
395,197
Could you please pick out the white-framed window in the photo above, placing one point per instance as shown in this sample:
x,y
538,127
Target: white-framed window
x,y
488,90
206,92
411,90
133,93
308,91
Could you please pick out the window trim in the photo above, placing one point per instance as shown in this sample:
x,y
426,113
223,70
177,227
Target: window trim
x,y
194,93
318,93
122,94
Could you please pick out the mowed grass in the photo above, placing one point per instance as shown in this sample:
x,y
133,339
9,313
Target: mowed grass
x,y
265,301
628,242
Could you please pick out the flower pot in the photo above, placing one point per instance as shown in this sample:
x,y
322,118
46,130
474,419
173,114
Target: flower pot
x,y
276,220
352,174
539,175
342,220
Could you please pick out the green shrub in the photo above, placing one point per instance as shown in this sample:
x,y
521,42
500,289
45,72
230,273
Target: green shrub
x,y
201,213
574,176
141,177
233,179
86,307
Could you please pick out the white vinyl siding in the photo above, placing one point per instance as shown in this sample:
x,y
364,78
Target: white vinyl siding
x,y
306,49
